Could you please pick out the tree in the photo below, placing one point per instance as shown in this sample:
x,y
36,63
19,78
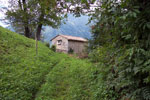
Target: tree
x,y
47,12
29,14
33,14
19,16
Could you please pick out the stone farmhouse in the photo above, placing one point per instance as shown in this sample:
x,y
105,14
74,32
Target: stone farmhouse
x,y
66,44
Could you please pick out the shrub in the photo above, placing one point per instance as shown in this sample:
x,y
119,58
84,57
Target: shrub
x,y
53,48
71,51
47,44
125,67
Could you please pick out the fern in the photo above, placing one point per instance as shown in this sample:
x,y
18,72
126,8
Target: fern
x,y
146,93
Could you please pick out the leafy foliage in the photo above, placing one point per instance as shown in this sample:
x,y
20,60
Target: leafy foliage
x,y
121,49
71,51
53,48
47,44
28,16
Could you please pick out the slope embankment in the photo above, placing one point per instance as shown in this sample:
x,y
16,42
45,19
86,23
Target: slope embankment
x,y
48,76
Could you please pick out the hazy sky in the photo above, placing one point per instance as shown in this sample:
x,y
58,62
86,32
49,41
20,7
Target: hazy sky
x,y
3,3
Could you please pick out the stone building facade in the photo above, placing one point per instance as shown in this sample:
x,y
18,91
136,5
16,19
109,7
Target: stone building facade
x,y
66,43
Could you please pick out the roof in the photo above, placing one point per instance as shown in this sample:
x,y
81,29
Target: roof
x,y
74,38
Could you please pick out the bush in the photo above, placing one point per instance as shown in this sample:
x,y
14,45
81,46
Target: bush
x,y
71,51
125,67
47,44
53,48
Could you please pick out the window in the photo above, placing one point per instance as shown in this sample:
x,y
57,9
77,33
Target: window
x,y
59,42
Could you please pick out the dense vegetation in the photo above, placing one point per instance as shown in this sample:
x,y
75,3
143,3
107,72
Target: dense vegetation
x,y
121,47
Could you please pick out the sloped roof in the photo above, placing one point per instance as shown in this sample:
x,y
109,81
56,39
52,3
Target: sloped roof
x,y
74,38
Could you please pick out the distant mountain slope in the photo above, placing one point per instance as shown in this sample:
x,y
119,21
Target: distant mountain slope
x,y
74,26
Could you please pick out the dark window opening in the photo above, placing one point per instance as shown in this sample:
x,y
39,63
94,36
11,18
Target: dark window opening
x,y
59,42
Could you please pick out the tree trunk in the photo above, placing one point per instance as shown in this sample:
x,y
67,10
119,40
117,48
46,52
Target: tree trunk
x,y
37,37
26,20
38,33
36,44
27,31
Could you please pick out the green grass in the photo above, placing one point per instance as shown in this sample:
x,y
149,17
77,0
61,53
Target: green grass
x,y
69,80
21,71
48,76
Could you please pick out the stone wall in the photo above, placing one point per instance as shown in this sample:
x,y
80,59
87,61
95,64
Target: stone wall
x,y
60,47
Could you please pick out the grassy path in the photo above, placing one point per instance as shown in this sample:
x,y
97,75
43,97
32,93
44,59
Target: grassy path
x,y
42,82
70,79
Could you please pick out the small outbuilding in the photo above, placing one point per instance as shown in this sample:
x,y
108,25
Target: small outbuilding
x,y
66,44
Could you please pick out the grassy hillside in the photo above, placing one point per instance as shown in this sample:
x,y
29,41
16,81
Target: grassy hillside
x,y
21,72
48,76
